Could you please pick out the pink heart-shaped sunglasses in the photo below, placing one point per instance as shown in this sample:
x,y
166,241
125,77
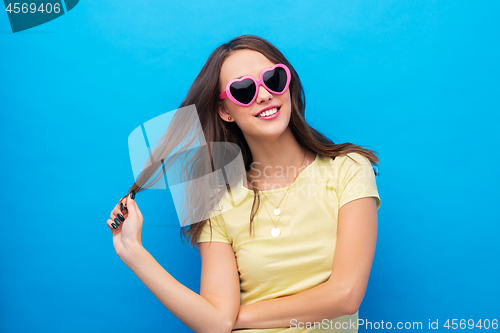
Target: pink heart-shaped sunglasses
x,y
243,91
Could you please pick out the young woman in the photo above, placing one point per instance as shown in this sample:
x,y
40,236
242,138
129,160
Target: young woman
x,y
295,254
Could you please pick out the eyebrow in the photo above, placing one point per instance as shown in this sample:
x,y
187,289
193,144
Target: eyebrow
x,y
239,77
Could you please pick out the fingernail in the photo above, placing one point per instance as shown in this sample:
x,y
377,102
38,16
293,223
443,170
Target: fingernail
x,y
120,216
117,221
132,194
114,225
121,205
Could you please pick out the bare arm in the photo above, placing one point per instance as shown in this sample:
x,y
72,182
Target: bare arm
x,y
217,306
345,289
194,310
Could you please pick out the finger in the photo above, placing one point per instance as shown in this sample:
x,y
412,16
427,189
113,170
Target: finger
x,y
116,217
123,207
120,211
123,204
132,205
116,214
124,214
112,225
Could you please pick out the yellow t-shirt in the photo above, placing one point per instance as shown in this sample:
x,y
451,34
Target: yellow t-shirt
x,y
301,257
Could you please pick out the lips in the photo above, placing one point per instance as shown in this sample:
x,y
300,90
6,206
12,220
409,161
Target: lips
x,y
268,108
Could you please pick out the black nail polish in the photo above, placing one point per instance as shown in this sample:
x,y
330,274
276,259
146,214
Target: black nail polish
x,y
121,205
132,195
114,225
117,222
120,216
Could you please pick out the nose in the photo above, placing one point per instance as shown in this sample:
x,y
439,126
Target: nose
x,y
263,95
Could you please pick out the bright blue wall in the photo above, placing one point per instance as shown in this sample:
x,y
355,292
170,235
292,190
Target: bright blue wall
x,y
416,81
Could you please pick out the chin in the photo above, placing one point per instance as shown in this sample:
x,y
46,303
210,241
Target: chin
x,y
272,131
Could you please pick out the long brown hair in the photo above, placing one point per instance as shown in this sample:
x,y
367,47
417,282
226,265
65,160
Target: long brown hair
x,y
204,93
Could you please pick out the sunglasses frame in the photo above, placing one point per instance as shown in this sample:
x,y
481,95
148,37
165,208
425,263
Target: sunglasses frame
x,y
227,93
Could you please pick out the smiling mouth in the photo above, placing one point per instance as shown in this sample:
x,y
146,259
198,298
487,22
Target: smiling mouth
x,y
268,113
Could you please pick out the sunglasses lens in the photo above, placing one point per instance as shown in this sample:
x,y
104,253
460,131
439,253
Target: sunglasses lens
x,y
243,91
276,79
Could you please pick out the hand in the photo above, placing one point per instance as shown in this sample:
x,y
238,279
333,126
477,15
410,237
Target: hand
x,y
128,234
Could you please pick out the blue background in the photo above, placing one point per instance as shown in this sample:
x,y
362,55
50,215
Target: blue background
x,y
416,81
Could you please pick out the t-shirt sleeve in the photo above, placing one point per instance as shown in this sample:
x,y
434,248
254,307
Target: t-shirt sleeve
x,y
218,231
355,180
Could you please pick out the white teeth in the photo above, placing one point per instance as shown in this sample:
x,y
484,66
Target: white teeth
x,y
268,112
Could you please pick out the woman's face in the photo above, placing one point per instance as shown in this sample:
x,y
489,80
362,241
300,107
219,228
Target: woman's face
x,y
249,62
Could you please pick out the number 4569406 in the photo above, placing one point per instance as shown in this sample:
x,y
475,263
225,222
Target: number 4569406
x,y
470,324
31,8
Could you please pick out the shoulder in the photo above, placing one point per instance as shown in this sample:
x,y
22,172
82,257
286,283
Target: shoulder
x,y
342,168
345,161
352,158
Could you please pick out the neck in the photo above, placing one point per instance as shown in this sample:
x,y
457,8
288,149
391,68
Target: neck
x,y
276,161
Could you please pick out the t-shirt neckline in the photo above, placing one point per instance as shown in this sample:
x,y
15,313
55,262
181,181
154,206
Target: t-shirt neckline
x,y
293,184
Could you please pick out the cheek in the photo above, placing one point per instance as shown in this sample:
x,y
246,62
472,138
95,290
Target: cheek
x,y
239,111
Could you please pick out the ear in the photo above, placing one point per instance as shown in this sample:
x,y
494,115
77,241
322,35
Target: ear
x,y
222,111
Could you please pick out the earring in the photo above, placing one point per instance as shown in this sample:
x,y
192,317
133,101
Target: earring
x,y
229,118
